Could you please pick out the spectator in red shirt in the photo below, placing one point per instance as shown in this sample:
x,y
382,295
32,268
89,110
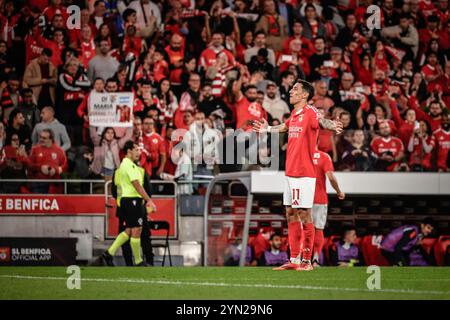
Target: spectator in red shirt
x,y
10,97
434,116
420,146
209,55
406,126
246,107
47,161
388,149
442,83
154,157
442,141
13,160
53,9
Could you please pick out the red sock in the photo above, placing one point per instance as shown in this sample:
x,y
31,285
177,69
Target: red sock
x,y
308,229
318,242
294,235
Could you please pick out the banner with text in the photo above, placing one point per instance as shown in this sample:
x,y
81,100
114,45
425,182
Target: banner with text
x,y
18,204
111,109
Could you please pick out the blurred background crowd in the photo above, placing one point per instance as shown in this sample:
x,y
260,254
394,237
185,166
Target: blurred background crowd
x,y
212,67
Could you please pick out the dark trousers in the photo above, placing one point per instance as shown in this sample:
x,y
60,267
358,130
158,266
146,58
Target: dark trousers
x,y
146,243
395,258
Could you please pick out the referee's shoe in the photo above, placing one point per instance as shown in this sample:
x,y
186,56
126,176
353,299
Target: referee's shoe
x,y
108,258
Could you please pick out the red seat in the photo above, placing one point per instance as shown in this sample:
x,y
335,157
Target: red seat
x,y
328,242
428,244
440,248
370,247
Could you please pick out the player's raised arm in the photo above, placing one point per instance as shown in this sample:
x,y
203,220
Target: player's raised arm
x,y
332,125
263,126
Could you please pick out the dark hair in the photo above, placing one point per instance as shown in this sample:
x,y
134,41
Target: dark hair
x,y
285,74
310,5
9,137
12,115
128,12
104,133
250,86
347,228
47,52
25,91
259,32
428,220
318,38
404,15
112,80
308,87
50,133
262,52
274,235
99,78
96,3
129,145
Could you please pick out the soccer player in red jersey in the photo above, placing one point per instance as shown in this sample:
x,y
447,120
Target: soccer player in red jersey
x,y
303,129
324,170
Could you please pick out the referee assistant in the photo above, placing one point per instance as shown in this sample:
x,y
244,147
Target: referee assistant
x,y
132,205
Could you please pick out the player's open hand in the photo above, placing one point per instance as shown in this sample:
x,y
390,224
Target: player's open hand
x,y
260,125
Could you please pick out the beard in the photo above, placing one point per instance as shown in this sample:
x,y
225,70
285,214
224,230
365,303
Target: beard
x,y
379,81
251,99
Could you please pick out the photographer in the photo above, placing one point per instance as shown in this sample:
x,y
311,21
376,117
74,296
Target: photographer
x,y
420,146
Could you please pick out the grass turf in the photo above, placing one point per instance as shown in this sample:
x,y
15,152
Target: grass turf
x,y
230,283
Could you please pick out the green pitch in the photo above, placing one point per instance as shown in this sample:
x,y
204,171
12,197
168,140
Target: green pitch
x,y
223,283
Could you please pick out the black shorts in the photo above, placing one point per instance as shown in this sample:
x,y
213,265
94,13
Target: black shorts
x,y
132,211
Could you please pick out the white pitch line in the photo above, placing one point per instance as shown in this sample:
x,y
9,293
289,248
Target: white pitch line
x,y
223,284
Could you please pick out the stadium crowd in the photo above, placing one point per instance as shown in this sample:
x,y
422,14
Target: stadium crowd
x,y
200,65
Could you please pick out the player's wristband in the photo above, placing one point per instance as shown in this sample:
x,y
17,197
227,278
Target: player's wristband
x,y
269,128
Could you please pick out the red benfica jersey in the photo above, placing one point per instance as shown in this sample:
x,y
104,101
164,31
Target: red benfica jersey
x,y
303,129
175,56
246,110
382,145
323,164
154,144
51,11
442,140
33,47
418,155
209,55
325,143
53,157
87,52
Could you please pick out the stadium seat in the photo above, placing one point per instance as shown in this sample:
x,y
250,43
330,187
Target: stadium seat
x,y
428,244
440,249
370,247
162,225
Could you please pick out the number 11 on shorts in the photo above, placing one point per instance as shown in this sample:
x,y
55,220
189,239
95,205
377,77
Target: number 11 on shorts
x,y
295,194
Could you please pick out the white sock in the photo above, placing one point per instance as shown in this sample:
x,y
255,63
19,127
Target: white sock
x,y
295,260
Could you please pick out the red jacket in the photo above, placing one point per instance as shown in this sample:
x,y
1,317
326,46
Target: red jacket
x,y
54,157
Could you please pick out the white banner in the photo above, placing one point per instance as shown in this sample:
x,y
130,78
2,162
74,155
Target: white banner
x,y
111,109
